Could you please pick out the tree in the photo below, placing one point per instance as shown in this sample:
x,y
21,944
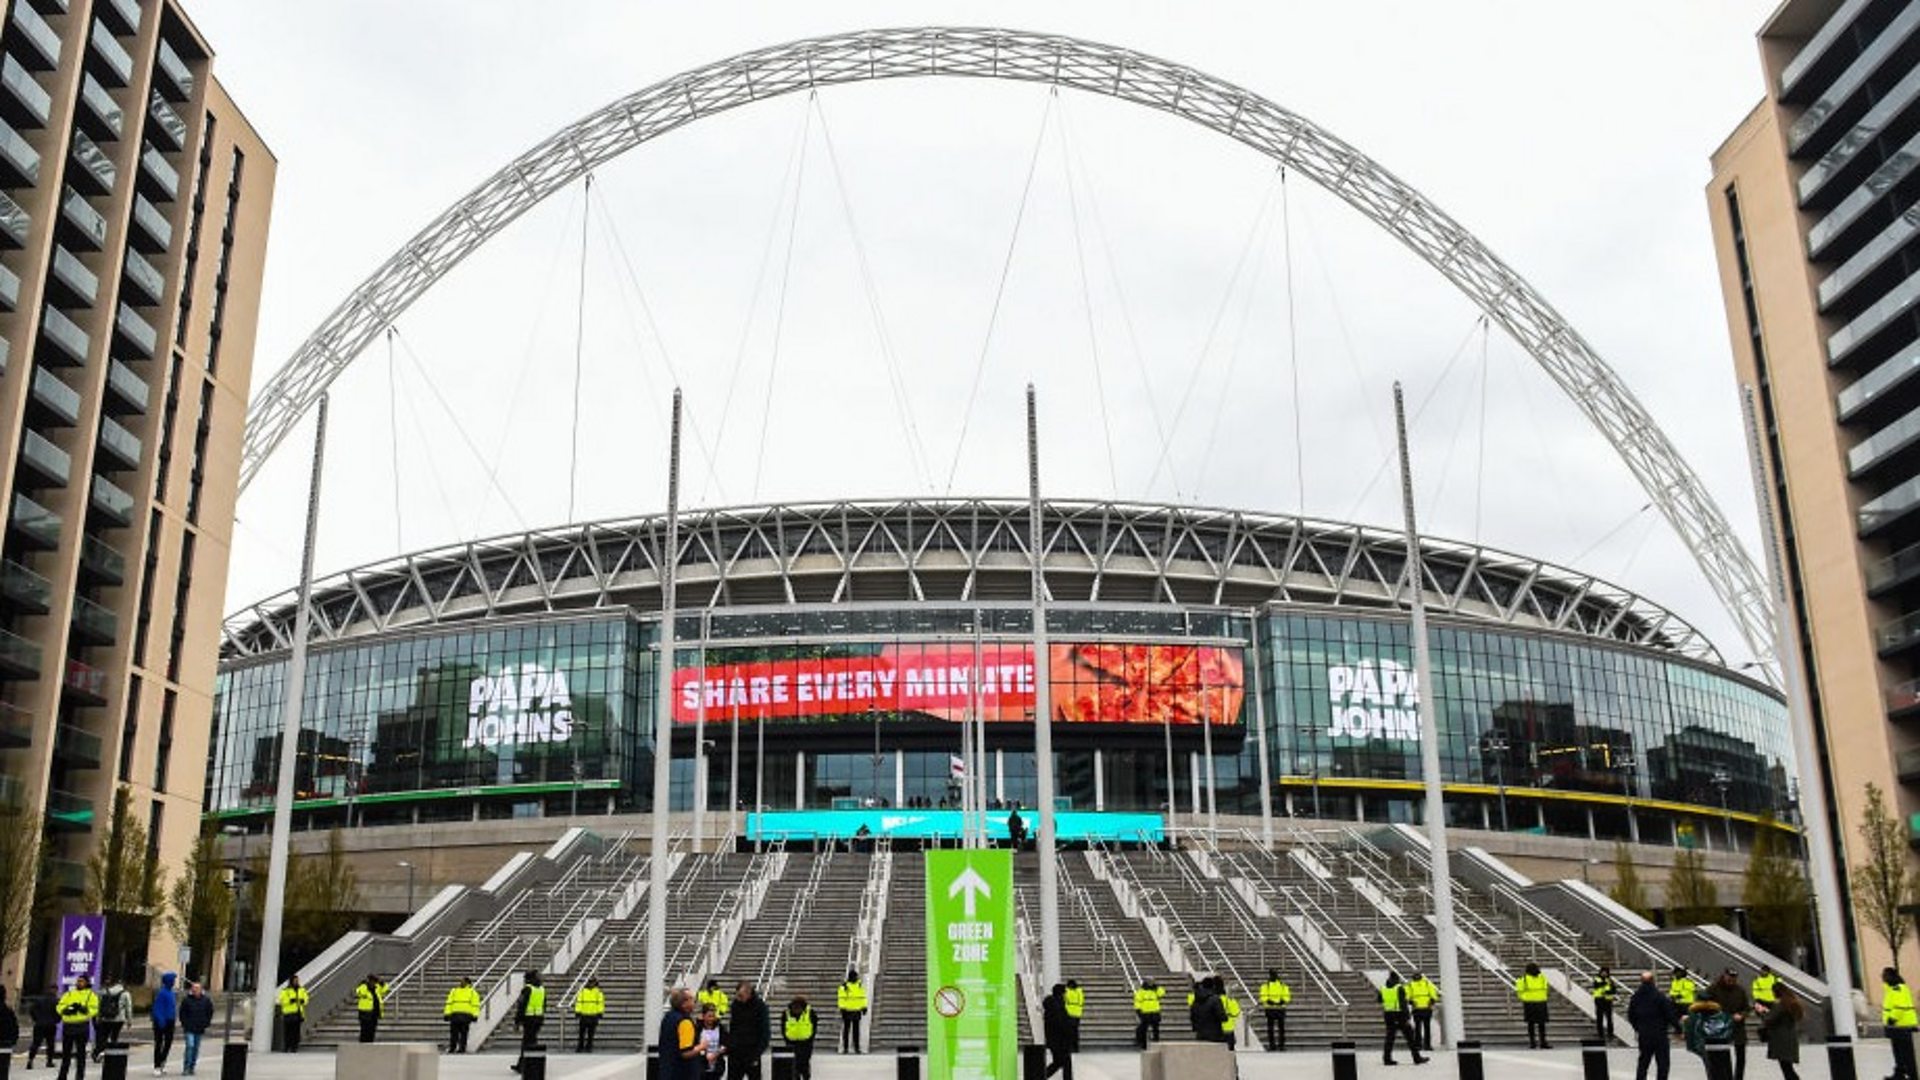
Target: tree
x,y
126,885
324,900
1628,891
1779,900
1882,884
22,890
200,903
1692,897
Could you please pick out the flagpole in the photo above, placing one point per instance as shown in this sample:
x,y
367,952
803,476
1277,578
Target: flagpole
x,y
1042,710
656,983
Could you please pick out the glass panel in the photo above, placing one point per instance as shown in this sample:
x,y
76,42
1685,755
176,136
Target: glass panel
x,y
1864,134
51,461
177,78
80,213
97,174
99,558
144,277
22,159
153,221
121,380
1887,440
35,522
164,175
1876,382
18,652
122,443
23,586
25,89
14,222
174,128
136,329
74,274
118,66
68,340
1849,81
101,103
1896,503
64,400
44,50
110,500
97,620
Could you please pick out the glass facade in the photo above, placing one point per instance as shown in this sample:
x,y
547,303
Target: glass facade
x,y
1543,732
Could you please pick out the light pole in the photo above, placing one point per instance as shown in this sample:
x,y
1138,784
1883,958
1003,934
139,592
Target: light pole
x,y
1496,744
408,867
1722,780
238,884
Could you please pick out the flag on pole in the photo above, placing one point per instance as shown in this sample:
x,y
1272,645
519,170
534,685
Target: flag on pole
x,y
956,767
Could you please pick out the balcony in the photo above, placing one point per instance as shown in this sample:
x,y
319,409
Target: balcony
x,y
123,16
149,287
170,74
107,59
23,101
19,658
77,746
19,162
67,876
54,402
168,127
127,391
1903,700
130,328
112,503
96,174
72,284
14,223
16,731
82,225
93,623
62,342
1896,503
157,178
22,590
100,563
42,52
99,115
35,525
9,290
119,448
152,234
85,684
49,7
46,461
67,812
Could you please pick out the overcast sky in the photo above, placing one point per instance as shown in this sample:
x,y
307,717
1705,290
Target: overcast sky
x,y
1573,139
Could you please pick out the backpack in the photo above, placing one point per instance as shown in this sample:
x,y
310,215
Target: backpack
x,y
1716,1027
110,1008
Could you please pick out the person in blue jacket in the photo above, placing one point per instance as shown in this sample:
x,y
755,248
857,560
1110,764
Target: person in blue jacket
x,y
166,1010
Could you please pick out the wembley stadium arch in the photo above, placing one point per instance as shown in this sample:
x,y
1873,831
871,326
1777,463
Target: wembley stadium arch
x,y
1233,111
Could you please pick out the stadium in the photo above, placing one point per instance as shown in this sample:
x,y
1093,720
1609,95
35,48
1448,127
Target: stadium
x,y
514,678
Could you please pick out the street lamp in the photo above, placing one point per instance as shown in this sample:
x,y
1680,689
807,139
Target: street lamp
x,y
237,882
1496,744
1722,779
408,867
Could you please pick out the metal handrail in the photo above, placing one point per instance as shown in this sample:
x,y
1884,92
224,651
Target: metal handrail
x,y
418,964
1305,961
1531,910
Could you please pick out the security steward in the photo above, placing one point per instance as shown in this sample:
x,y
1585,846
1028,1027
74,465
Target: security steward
x,y
293,1013
1682,991
529,1015
462,1009
369,1003
1896,1015
852,999
797,1027
1076,999
79,1006
1605,993
1393,1010
1232,1025
1275,996
712,995
1422,996
1765,989
1531,989
589,1005
1148,999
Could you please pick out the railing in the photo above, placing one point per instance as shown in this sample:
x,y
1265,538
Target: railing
x,y
1317,975
1526,909
405,976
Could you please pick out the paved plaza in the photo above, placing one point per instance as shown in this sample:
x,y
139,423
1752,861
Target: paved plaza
x,y
1873,1062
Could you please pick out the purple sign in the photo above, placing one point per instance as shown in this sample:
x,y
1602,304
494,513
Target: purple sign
x,y
81,944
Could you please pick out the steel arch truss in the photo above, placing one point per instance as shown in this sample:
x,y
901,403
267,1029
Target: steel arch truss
x,y
906,553
1213,103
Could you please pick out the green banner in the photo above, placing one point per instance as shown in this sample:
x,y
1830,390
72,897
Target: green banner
x,y
973,1004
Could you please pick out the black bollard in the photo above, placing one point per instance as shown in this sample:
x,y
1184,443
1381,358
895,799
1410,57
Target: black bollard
x,y
1033,1062
1345,1065
906,1063
1472,1066
1593,1058
113,1061
653,1062
533,1063
1719,1061
233,1061
782,1065
1840,1058
6,1064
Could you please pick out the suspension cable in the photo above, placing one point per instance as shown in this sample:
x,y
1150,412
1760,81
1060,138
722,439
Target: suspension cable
x,y
1293,349
459,428
433,467
393,443
999,292
1262,241
1480,456
579,346
780,318
1418,412
1086,307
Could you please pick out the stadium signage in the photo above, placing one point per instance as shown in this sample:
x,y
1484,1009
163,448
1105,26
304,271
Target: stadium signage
x,y
1374,699
521,705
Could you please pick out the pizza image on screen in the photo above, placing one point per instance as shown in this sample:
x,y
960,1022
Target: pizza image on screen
x,y
1108,683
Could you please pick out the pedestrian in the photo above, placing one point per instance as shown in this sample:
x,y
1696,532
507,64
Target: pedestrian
x,y
78,1008
196,1016
1531,989
1057,1024
1897,1016
1765,989
293,1013
797,1027
1706,1027
369,1002
44,1012
1604,992
1205,1012
852,999
1275,996
1682,991
1076,1008
1650,1015
116,1005
1393,1010
679,1038
1016,830
1148,999
529,1015
9,1024
1780,1029
462,1009
750,1034
164,1015
1231,1027
713,1045
1727,993
1422,996
589,1005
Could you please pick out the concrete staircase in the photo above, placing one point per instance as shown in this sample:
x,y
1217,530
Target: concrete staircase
x,y
802,943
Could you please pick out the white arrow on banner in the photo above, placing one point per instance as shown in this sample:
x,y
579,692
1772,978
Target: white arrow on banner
x,y
82,936
972,885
